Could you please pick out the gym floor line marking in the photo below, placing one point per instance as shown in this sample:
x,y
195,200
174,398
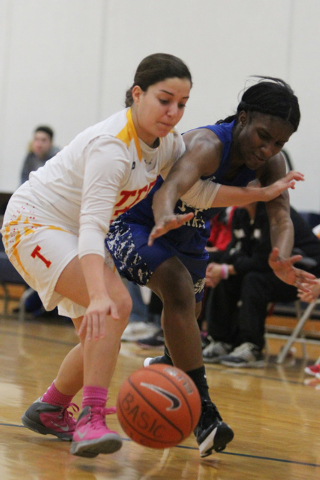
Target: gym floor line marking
x,y
257,457
210,367
41,339
264,377
246,374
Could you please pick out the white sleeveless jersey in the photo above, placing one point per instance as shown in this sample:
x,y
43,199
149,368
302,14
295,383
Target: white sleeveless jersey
x,y
103,172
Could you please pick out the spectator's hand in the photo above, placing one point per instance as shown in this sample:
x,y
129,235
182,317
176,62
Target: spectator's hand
x,y
213,274
212,249
285,270
312,294
168,223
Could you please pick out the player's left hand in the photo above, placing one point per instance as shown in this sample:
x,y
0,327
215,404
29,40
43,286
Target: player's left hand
x,y
285,270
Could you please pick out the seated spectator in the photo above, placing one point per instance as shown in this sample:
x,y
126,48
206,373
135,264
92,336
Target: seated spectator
x,y
220,237
41,149
244,285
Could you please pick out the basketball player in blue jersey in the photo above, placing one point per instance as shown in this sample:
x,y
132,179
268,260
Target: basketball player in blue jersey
x,y
172,261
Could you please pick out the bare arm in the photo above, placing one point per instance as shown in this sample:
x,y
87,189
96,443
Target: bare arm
x,y
278,209
202,158
281,229
238,196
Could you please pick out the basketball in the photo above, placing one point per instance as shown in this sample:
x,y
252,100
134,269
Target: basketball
x,y
158,406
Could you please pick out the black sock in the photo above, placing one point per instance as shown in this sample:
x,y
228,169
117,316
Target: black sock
x,y
199,377
167,355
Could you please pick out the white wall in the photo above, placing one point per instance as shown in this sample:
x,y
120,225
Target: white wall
x,y
68,63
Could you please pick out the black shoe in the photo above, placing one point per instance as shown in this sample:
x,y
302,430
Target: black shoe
x,y
164,359
155,341
152,361
211,432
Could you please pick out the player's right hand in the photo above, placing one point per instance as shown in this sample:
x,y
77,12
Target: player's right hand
x,y
289,181
94,323
168,223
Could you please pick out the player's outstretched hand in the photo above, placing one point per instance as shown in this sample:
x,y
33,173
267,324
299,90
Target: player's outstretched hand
x,y
276,188
285,270
168,223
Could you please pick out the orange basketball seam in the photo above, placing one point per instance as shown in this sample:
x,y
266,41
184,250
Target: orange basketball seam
x,y
181,391
154,408
142,414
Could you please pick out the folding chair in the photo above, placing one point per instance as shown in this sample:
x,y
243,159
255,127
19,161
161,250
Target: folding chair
x,y
294,337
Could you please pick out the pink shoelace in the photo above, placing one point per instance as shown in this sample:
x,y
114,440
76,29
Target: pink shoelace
x,y
98,415
67,416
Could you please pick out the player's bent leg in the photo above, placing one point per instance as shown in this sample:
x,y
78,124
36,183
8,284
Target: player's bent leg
x,y
172,282
179,319
92,436
52,414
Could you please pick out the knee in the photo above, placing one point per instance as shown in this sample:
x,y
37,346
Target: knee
x,y
124,306
173,284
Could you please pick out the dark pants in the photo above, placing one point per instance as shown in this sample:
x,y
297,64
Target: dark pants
x,y
237,308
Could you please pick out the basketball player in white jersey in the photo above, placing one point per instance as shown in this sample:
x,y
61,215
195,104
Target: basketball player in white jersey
x,y
54,230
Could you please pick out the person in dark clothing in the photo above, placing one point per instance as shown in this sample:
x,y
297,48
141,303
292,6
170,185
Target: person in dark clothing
x,y
244,285
41,149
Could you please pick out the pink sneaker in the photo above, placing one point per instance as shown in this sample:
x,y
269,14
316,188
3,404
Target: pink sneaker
x,y
44,418
92,436
313,370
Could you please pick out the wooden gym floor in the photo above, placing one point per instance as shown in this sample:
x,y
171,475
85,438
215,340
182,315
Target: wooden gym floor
x,y
274,412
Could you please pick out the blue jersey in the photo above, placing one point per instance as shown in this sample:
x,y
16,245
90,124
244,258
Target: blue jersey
x,y
192,237
127,239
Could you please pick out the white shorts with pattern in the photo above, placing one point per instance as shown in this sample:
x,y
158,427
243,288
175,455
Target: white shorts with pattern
x,y
40,246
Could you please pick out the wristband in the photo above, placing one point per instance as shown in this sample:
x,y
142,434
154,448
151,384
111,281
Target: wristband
x,y
224,271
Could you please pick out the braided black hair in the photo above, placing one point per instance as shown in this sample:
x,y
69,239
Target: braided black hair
x,y
270,96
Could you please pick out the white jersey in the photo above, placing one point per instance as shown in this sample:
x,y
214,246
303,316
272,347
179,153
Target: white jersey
x,y
103,172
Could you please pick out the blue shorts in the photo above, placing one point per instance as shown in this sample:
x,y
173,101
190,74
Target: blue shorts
x,y
135,260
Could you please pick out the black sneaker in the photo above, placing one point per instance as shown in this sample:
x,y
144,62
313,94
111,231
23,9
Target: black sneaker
x,y
153,361
164,359
211,432
155,341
